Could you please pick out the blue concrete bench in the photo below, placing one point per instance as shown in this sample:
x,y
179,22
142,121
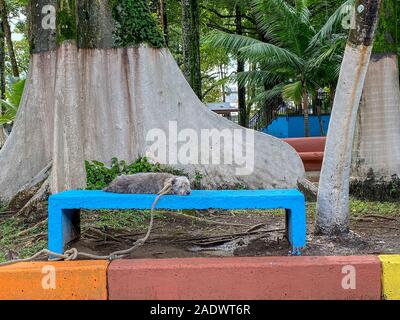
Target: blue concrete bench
x,y
64,209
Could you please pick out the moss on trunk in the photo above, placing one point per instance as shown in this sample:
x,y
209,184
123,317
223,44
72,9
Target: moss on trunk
x,y
93,24
375,188
66,21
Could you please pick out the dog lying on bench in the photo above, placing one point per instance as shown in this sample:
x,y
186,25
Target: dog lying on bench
x,y
150,183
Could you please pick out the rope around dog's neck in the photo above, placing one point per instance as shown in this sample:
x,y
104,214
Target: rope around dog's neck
x,y
74,254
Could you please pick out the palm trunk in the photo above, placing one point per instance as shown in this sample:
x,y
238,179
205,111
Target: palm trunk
x,y
243,114
333,194
222,76
306,113
321,125
7,33
90,96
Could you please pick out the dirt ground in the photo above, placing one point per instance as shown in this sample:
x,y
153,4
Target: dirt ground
x,y
248,234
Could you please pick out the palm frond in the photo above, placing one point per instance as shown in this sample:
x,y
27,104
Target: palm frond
x,y
232,43
293,91
9,112
258,78
264,96
261,51
333,21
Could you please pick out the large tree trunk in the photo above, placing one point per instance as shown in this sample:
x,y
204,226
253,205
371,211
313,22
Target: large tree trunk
x,y
376,151
333,195
88,98
7,33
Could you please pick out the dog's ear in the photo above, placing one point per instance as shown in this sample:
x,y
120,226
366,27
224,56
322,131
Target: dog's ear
x,y
171,182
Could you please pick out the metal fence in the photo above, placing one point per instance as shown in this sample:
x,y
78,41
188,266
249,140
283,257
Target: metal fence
x,y
322,104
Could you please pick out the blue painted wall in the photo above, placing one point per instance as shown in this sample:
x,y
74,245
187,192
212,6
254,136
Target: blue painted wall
x,y
293,126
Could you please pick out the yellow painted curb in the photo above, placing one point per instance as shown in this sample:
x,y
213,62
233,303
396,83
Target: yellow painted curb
x,y
71,280
390,276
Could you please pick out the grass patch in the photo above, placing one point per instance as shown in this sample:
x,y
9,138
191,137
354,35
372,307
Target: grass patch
x,y
359,208
2,257
23,239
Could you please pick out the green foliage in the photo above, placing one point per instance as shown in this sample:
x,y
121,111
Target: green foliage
x,y
11,105
117,220
197,180
135,24
387,36
99,175
291,61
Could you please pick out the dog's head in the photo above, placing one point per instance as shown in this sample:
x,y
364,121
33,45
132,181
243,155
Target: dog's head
x,y
180,186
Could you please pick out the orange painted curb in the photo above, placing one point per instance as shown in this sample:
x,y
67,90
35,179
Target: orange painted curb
x,y
246,278
78,280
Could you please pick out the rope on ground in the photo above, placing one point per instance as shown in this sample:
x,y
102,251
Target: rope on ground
x,y
74,254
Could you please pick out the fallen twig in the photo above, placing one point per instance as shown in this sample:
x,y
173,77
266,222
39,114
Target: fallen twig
x,y
233,235
102,233
256,227
380,217
210,221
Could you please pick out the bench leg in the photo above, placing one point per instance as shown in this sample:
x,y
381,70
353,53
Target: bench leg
x,y
64,226
296,228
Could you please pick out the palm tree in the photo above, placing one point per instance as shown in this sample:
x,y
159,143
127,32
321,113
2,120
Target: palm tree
x,y
290,63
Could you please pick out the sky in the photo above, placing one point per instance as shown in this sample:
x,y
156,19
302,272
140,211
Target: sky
x,y
16,36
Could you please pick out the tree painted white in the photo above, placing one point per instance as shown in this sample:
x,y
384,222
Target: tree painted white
x,y
95,104
333,193
376,146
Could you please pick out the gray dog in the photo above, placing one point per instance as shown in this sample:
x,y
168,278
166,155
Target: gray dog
x,y
150,183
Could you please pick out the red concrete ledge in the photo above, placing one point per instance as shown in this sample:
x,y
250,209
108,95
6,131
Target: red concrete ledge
x,y
271,278
310,150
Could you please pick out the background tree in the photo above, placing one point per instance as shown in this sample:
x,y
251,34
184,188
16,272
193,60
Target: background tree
x,y
7,33
3,135
288,62
191,44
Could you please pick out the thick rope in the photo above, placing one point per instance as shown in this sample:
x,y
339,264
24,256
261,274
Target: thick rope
x,y
74,254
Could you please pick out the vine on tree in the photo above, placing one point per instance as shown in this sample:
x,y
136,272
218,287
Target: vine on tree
x,y
135,24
